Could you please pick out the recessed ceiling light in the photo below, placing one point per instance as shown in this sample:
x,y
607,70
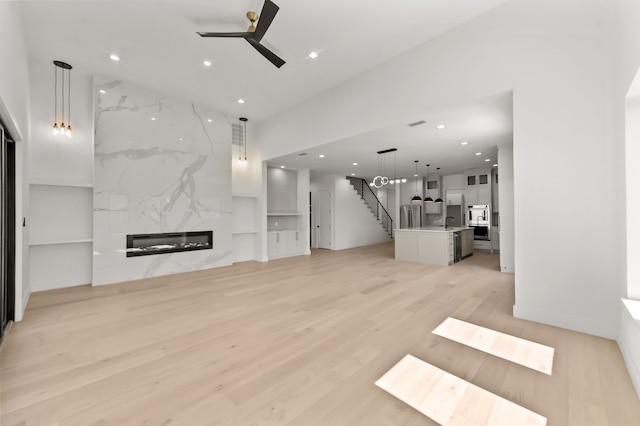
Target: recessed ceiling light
x,y
355,164
478,153
179,139
464,143
207,63
353,174
282,167
313,55
487,159
209,120
114,58
240,101
321,155
415,175
495,165
102,91
153,119
404,180
440,126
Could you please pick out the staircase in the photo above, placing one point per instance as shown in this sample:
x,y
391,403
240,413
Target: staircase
x,y
369,197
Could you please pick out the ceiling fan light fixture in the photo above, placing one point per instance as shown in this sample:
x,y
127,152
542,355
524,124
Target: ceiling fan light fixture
x,y
254,33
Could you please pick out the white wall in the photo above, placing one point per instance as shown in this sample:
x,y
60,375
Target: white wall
x,y
554,57
14,110
354,224
626,60
633,196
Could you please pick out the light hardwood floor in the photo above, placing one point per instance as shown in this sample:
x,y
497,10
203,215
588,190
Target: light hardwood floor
x,y
297,341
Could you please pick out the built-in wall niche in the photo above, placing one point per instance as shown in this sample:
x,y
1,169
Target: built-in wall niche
x,y
60,246
282,221
282,190
245,226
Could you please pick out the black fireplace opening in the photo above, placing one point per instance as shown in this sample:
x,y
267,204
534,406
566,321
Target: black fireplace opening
x,y
170,242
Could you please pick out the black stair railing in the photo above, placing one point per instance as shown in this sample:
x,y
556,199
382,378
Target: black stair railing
x,y
366,193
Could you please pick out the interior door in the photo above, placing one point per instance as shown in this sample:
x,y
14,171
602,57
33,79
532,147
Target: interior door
x,y
7,230
323,219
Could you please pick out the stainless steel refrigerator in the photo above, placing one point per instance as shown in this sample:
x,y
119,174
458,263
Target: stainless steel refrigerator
x,y
410,216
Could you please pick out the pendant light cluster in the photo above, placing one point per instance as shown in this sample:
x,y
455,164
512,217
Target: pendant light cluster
x,y
63,129
416,198
427,199
381,179
438,200
243,148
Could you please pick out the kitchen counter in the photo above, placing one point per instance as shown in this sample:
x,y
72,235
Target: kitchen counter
x,y
433,229
431,244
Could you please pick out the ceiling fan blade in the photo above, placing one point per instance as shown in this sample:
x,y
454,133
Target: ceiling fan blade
x,y
272,57
237,35
269,11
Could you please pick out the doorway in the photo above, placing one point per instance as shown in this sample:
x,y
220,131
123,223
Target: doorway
x,y
7,229
323,219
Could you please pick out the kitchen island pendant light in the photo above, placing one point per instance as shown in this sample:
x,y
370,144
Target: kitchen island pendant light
x,y
416,198
428,198
438,200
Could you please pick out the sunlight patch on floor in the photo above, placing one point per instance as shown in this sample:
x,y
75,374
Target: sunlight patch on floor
x,y
520,351
450,400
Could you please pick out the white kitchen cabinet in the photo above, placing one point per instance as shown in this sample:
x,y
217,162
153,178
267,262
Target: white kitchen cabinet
x,y
467,243
284,243
478,186
276,244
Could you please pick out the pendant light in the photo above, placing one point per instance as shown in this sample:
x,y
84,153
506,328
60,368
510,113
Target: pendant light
x,y
244,143
428,198
416,198
62,129
438,200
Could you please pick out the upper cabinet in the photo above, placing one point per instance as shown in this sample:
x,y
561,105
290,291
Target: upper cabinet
x,y
478,186
433,189
282,190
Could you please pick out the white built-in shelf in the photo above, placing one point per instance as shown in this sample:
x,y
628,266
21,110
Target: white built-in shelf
x,y
52,242
60,183
249,231
284,214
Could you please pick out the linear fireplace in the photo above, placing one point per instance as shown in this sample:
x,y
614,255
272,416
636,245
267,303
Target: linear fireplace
x,y
171,242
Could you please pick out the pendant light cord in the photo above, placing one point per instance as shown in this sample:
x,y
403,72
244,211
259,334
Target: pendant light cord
x,y
69,101
62,95
55,96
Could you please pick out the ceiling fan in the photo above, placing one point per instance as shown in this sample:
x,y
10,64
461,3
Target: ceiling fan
x,y
254,34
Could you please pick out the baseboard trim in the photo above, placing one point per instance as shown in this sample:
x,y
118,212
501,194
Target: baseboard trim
x,y
629,344
560,319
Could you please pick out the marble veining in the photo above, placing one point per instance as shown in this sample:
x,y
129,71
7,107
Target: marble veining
x,y
161,164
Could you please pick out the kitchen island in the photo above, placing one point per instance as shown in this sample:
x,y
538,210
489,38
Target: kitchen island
x,y
431,244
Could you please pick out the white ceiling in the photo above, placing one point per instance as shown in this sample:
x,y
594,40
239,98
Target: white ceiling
x,y
484,125
159,48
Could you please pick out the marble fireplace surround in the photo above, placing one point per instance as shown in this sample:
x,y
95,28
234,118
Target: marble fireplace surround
x,y
161,165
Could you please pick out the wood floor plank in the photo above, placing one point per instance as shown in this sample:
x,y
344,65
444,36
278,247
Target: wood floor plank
x,y
297,341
